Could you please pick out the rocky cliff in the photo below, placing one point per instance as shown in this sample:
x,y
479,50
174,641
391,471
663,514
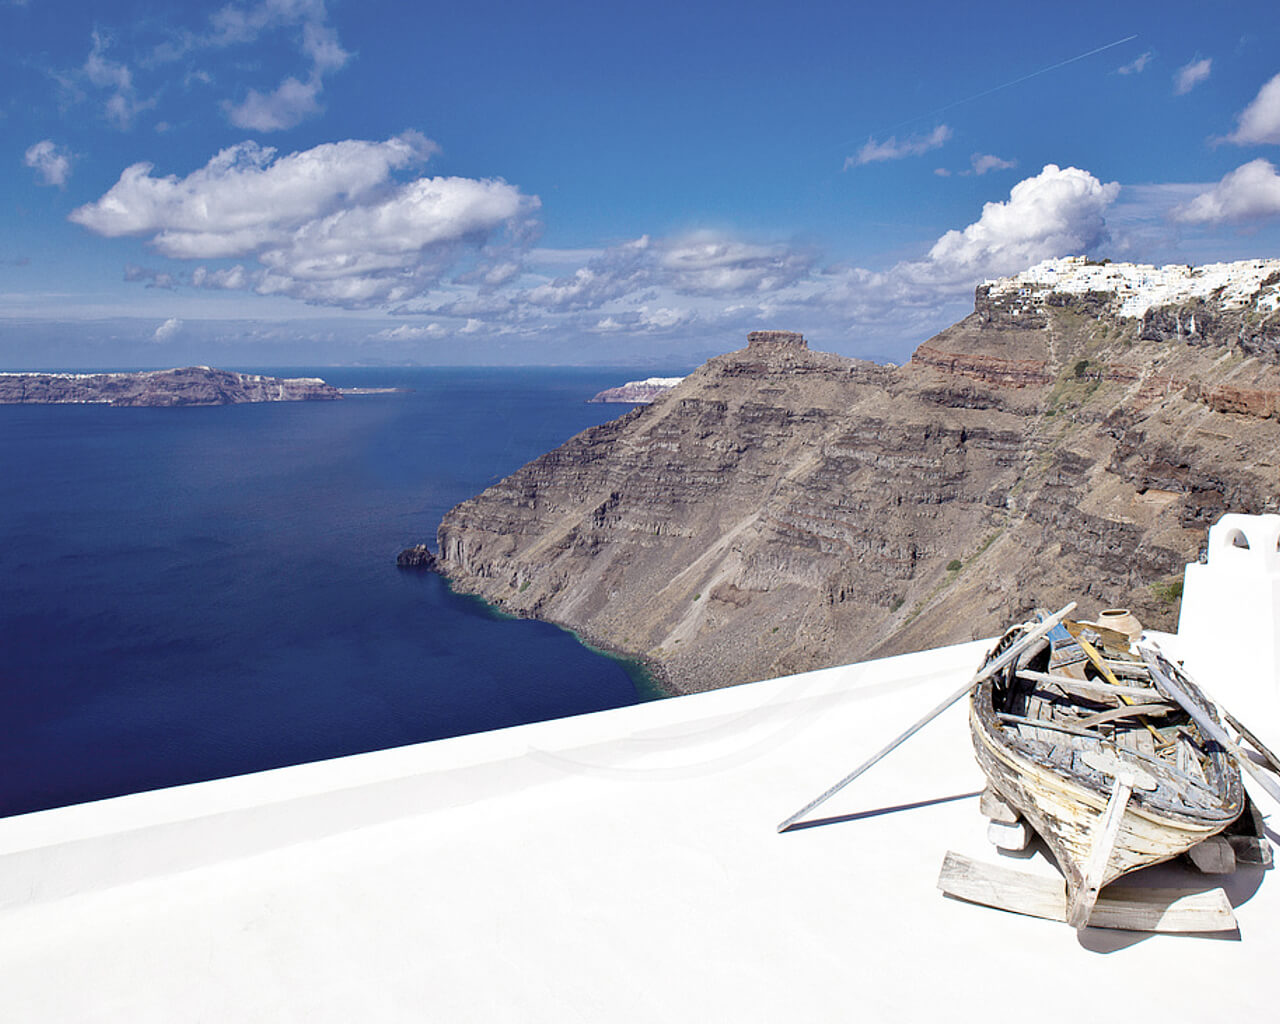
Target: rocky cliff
x,y
784,509
192,385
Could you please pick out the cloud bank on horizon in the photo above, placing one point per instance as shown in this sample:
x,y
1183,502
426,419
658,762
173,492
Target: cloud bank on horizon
x,y
549,229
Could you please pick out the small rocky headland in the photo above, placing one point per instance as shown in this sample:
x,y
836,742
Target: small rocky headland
x,y
637,392
191,385
783,509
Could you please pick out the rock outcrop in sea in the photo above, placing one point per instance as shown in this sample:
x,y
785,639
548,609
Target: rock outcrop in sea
x,y
191,385
784,509
417,557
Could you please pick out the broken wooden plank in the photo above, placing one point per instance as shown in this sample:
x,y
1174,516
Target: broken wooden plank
x,y
1102,841
1163,671
1101,665
1048,725
1258,745
1115,714
1087,687
1124,908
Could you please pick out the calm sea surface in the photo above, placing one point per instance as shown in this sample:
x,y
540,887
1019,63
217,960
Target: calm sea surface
x,y
187,594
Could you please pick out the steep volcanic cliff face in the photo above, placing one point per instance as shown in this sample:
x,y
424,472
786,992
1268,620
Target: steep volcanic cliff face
x,y
192,385
784,509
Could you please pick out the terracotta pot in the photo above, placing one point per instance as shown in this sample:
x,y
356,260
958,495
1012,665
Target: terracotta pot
x,y
1122,621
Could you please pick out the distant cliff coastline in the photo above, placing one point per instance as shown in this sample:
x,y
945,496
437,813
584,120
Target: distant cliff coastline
x,y
783,509
638,392
192,385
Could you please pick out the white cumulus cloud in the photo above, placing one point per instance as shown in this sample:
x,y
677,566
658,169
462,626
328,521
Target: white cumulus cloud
x,y
894,148
167,329
1058,211
984,162
51,162
702,263
659,287
329,225
116,79
1137,65
1249,192
234,279
1191,74
294,99
707,264
246,196
407,332
289,104
1259,122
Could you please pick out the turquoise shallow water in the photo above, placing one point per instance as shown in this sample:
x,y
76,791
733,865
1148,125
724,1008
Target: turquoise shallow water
x,y
195,593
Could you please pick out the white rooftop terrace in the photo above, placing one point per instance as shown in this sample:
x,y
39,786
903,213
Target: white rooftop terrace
x,y
620,866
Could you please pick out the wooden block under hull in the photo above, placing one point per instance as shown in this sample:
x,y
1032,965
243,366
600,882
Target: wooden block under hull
x,y
1123,908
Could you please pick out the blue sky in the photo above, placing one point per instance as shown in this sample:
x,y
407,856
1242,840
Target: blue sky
x,y
303,182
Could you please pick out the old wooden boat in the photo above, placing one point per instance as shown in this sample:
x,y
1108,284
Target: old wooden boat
x,y
1108,754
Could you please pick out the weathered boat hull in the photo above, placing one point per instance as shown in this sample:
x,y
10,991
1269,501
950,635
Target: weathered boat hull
x,y
1106,790
1066,815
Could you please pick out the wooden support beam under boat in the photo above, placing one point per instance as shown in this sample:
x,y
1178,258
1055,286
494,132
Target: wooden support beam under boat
x,y
1120,907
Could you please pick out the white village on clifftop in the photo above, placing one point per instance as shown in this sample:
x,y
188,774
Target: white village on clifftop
x,y
1138,287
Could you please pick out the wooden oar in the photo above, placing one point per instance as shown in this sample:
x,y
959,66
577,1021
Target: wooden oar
x,y
992,667
1162,672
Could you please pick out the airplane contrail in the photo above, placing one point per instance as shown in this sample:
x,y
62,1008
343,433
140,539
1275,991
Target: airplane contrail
x,y
1006,85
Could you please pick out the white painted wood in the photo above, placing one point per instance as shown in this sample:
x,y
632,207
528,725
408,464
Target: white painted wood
x,y
1108,763
1103,841
1119,907
991,806
1012,837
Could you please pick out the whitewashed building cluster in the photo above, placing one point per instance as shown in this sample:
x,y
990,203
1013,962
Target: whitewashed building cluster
x,y
1139,287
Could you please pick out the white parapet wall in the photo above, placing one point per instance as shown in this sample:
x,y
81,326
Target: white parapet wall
x,y
1229,625
622,866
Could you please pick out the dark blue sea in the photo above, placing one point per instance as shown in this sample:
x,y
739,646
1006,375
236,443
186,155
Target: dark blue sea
x,y
188,594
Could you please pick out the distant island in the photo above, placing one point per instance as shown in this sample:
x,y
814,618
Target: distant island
x,y
191,385
638,392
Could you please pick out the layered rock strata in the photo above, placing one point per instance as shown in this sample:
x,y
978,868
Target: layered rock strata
x,y
192,385
784,509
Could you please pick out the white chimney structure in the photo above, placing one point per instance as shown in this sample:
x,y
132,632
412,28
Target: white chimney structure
x,y
1229,625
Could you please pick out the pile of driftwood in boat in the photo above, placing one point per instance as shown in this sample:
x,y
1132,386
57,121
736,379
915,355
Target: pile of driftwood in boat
x,y
1116,759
